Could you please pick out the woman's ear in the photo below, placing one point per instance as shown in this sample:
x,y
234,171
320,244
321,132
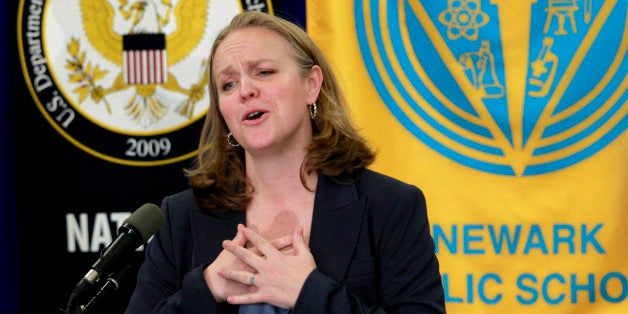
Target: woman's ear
x,y
314,81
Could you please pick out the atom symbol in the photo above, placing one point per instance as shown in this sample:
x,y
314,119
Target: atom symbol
x,y
463,18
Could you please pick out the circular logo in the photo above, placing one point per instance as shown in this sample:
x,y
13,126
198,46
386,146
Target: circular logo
x,y
519,88
125,81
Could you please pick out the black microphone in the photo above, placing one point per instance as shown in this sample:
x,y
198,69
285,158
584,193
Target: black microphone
x,y
135,231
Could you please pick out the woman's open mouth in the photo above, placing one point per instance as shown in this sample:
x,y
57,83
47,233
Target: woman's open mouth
x,y
254,115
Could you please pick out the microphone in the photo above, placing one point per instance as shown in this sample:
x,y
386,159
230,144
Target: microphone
x,y
135,231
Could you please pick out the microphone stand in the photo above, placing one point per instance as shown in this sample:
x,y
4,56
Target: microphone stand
x,y
111,284
74,302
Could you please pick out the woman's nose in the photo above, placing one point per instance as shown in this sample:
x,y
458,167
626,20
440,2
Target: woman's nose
x,y
248,89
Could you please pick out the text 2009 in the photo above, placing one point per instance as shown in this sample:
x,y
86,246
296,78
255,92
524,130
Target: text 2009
x,y
148,147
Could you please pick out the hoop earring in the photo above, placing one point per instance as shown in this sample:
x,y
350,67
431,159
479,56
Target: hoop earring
x,y
233,143
313,110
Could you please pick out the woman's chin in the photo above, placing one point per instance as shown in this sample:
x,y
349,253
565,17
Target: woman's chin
x,y
259,146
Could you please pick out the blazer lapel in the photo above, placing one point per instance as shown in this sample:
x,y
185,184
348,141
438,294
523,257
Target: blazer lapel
x,y
209,229
338,214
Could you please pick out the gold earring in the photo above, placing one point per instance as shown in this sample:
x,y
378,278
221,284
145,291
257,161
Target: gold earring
x,y
231,142
313,110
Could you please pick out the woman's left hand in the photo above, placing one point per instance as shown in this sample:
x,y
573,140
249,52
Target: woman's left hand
x,y
279,276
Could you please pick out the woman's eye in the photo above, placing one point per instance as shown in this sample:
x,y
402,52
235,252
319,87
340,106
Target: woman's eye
x,y
227,86
266,72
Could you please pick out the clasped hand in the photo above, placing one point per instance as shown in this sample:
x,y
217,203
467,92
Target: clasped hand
x,y
264,273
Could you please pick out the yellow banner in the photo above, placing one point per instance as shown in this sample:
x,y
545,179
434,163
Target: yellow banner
x,y
511,117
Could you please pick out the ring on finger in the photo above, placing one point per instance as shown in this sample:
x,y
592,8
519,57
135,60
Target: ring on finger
x,y
252,280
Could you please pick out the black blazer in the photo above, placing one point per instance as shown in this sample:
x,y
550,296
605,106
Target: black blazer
x,y
370,238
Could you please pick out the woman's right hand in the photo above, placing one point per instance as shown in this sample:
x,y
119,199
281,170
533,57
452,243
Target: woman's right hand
x,y
221,287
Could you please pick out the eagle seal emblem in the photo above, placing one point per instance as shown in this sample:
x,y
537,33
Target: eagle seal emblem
x,y
124,80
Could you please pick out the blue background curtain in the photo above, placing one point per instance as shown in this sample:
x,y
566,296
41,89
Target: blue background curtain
x,y
8,234
12,279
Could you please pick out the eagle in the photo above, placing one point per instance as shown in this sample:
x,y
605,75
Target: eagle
x,y
146,16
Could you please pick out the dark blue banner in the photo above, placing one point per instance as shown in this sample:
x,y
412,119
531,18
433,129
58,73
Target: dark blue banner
x,y
81,147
